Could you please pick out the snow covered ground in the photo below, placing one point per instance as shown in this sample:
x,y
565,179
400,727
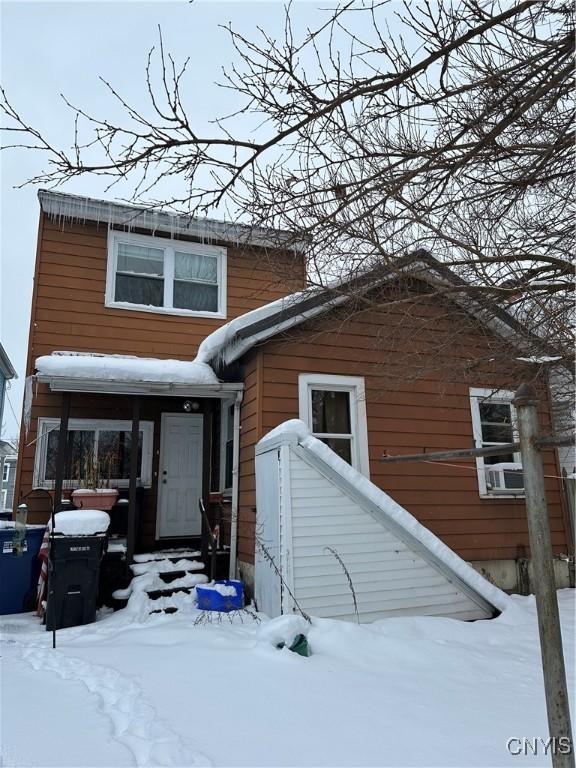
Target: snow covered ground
x,y
170,691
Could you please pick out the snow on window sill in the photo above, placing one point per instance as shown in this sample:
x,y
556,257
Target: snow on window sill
x,y
163,310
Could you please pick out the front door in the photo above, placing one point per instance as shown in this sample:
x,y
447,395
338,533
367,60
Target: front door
x,y
180,476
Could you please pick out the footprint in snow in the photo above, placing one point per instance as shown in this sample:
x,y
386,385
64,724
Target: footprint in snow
x,y
134,720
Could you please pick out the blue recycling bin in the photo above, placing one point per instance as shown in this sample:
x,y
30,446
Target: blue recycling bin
x,y
19,573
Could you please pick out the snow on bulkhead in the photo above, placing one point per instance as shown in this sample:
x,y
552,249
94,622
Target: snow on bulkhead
x,y
81,522
324,506
128,368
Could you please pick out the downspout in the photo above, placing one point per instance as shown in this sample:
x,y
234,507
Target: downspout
x,y
235,485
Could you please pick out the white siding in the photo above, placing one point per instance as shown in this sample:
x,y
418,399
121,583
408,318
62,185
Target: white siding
x,y
388,578
302,511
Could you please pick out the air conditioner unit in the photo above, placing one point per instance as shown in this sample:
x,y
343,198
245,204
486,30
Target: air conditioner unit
x,y
505,477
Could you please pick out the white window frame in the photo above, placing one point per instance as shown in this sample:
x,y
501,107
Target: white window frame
x,y
224,437
45,426
169,246
478,395
358,422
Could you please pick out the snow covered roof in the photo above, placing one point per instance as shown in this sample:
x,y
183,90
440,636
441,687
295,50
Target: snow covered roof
x,y
59,205
92,372
231,341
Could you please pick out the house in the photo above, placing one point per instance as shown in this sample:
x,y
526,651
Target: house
x,y
197,338
8,464
7,372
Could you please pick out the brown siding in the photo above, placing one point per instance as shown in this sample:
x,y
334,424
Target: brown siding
x,y
69,312
251,432
418,363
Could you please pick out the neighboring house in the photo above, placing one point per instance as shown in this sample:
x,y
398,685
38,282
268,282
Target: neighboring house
x,y
8,465
7,372
127,333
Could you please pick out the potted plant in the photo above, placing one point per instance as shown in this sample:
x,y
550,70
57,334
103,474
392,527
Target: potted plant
x,y
95,477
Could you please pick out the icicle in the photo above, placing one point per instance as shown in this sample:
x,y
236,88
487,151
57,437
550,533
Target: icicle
x,y
27,402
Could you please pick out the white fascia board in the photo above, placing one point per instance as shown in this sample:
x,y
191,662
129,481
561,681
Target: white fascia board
x,y
160,388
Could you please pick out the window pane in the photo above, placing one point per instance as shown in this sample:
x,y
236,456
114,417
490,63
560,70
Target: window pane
x,y
114,454
194,266
497,433
80,453
148,291
140,260
341,446
196,296
330,411
496,413
504,457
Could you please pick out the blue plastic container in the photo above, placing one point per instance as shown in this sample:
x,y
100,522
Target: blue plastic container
x,y
19,573
209,599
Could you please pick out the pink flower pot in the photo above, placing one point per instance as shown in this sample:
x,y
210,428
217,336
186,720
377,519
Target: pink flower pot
x,y
95,498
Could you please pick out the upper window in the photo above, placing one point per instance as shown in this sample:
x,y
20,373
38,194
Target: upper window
x,y
158,274
334,409
5,471
494,423
97,450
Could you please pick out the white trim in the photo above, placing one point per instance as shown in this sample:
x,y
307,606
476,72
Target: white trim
x,y
169,246
46,425
505,397
359,425
117,386
287,604
185,417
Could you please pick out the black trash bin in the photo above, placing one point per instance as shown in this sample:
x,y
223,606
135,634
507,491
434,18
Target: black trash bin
x,y
73,573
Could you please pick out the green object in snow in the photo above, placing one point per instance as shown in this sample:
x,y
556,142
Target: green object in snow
x,y
299,646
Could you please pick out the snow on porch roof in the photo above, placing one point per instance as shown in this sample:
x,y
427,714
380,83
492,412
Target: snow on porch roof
x,y
93,372
59,205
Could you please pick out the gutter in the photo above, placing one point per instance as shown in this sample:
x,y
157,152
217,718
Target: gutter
x,y
235,485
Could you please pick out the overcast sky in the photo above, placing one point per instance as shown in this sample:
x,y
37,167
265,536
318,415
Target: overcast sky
x,y
50,48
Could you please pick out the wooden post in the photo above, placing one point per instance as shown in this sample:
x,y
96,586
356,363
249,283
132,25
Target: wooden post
x,y
58,485
131,534
544,583
62,451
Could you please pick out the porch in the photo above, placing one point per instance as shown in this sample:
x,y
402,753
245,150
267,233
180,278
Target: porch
x,y
186,426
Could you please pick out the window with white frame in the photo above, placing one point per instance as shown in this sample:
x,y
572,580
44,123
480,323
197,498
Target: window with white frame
x,y
334,409
494,423
159,274
101,448
5,471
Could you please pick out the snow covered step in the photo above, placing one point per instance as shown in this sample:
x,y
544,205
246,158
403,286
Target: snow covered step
x,y
156,594
167,554
184,565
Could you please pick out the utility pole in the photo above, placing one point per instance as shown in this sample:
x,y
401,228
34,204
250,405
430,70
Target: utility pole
x,y
557,705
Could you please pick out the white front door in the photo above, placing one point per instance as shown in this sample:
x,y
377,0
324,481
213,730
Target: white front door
x,y
180,476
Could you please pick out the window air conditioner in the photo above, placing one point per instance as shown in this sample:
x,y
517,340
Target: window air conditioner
x,y
504,477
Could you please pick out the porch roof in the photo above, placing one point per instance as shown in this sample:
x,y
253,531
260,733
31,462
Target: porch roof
x,y
123,374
